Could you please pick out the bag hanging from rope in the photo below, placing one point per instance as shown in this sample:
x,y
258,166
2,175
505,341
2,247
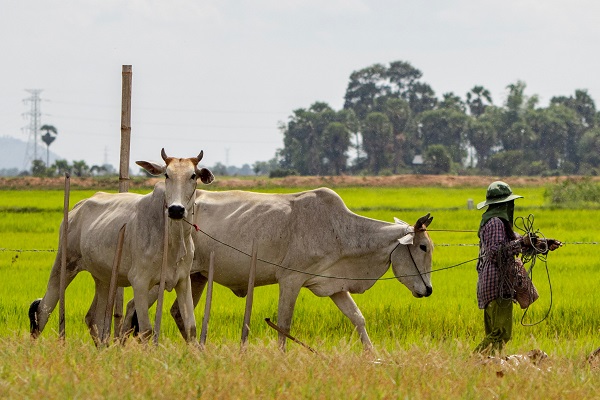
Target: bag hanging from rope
x,y
514,280
525,291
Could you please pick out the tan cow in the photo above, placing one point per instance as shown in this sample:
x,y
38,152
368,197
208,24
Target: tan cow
x,y
310,239
93,229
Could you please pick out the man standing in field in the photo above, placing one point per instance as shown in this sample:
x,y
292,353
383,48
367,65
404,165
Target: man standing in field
x,y
497,266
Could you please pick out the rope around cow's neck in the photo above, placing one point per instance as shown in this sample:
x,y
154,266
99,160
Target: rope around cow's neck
x,y
197,228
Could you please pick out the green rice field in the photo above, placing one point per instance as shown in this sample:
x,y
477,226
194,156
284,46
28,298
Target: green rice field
x,y
418,341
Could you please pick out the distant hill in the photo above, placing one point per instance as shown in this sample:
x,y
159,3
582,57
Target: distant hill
x,y
13,150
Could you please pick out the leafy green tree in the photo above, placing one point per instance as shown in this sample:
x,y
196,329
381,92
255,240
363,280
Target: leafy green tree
x,y
582,103
517,136
98,170
421,98
437,159
80,168
402,77
481,134
305,143
260,168
364,87
589,150
551,127
453,102
61,167
349,119
506,163
446,127
513,131
38,168
478,99
48,138
517,103
219,169
377,135
302,141
575,127
336,140
399,80
399,114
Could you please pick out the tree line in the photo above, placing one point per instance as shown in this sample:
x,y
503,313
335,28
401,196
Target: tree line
x,y
393,122
77,168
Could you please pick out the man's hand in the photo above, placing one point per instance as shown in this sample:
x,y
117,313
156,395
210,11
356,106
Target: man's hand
x,y
545,245
529,240
553,244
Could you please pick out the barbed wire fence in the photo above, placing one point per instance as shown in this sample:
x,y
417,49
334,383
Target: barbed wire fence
x,y
9,250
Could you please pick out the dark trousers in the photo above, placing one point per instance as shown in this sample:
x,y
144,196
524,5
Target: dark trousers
x,y
497,319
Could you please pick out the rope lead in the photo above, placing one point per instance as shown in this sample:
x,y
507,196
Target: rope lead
x,y
327,276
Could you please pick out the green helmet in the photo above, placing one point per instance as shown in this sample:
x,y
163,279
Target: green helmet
x,y
498,192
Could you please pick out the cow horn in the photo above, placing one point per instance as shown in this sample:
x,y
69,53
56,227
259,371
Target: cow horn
x,y
163,154
424,220
200,155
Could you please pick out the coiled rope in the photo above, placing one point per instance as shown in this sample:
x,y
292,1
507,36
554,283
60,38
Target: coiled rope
x,y
508,282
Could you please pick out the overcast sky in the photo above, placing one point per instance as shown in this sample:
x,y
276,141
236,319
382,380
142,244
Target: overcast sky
x,y
220,76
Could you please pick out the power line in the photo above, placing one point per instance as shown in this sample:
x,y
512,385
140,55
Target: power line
x,y
191,125
186,110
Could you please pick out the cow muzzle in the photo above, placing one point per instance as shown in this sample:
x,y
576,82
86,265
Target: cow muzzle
x,y
176,211
428,291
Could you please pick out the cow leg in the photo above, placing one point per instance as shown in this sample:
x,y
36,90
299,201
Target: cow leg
x,y
140,295
287,301
91,314
130,322
346,304
198,283
97,311
186,305
40,310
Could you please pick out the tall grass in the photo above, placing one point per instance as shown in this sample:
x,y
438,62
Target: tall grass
x,y
425,344
574,193
46,369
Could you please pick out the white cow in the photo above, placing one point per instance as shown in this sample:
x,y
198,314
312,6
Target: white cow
x,y
308,238
93,229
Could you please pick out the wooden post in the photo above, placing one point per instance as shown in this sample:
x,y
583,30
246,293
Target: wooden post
x,y
161,286
209,290
63,259
123,169
125,129
112,289
250,295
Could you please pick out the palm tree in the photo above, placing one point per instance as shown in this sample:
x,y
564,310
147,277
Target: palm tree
x,y
48,138
476,100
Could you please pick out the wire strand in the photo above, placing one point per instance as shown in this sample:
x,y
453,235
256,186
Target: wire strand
x,y
330,276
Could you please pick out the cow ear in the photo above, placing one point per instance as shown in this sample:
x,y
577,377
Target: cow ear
x,y
205,175
152,168
408,237
399,221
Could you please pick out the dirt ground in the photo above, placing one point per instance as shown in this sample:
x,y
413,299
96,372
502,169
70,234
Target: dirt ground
x,y
111,183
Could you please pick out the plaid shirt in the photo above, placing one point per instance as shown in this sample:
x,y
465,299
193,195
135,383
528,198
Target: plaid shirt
x,y
492,236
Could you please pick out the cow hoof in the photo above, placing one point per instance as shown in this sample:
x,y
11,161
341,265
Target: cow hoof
x,y
34,328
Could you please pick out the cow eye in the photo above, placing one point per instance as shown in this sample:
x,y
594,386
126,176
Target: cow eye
x,y
166,175
193,177
423,247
